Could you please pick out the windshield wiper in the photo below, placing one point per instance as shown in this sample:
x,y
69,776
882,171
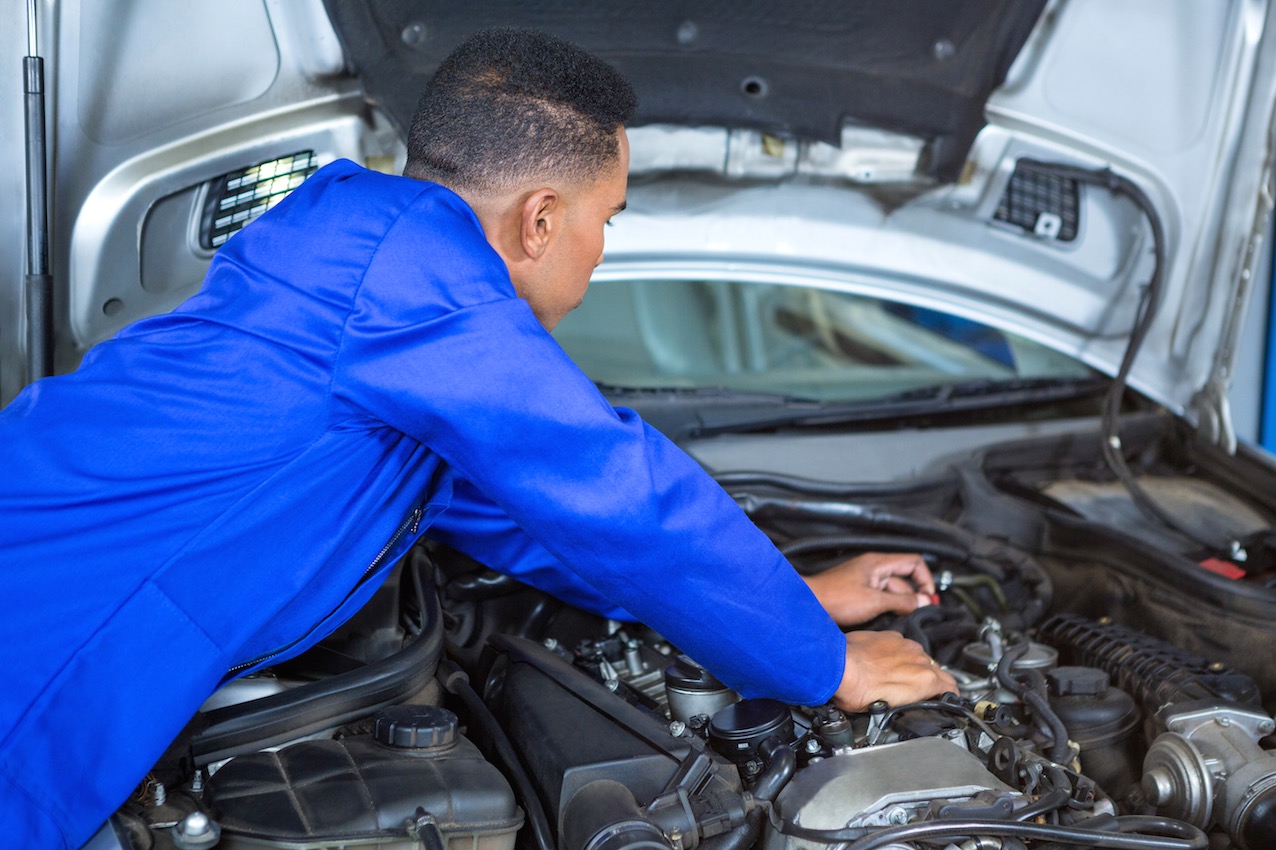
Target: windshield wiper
x,y
682,412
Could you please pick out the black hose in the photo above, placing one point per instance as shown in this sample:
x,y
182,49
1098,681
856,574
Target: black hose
x,y
1034,696
927,535
880,490
456,682
1045,803
943,706
915,623
260,723
781,764
1059,749
873,543
847,513
1121,833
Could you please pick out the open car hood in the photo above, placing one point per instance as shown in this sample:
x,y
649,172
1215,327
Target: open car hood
x,y
795,69
892,143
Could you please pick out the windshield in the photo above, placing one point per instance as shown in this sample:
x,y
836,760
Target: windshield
x,y
790,340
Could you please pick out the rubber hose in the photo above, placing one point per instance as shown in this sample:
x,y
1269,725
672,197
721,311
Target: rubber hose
x,y
926,486
260,723
781,764
456,682
869,543
1034,696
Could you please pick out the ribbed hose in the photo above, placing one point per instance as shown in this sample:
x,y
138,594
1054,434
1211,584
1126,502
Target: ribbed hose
x,y
1156,673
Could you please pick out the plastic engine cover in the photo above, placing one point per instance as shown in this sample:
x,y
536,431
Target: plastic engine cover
x,y
886,785
361,792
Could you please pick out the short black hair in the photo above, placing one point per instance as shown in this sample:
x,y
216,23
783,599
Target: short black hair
x,y
515,104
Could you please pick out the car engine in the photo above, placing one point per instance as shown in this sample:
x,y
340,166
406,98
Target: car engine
x,y
1111,695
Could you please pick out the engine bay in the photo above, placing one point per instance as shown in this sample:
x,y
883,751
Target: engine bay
x,y
1112,688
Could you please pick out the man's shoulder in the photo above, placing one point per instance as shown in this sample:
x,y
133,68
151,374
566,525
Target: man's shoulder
x,y
355,182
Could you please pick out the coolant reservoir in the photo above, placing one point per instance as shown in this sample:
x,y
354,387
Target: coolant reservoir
x,y
414,775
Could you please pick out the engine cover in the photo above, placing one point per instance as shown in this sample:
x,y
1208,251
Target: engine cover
x,y
885,785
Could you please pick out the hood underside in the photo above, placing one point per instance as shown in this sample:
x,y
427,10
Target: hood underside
x,y
804,69
926,110
878,146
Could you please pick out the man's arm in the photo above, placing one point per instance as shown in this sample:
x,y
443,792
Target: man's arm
x,y
477,527
438,348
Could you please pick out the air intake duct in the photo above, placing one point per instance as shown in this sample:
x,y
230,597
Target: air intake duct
x,y
1156,673
1207,766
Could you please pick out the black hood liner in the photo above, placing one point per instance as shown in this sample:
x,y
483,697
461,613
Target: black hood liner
x,y
795,69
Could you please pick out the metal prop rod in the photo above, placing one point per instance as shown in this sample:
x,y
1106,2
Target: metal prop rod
x,y
38,283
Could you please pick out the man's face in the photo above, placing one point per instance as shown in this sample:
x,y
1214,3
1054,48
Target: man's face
x,y
562,276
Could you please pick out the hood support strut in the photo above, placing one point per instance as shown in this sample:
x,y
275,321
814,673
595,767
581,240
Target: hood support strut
x,y
38,283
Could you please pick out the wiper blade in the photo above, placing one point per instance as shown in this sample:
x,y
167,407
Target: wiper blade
x,y
683,412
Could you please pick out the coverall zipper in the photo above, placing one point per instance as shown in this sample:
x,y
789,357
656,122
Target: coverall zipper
x,y
409,525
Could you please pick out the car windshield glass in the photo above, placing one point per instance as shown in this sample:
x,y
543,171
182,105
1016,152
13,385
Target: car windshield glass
x,y
797,341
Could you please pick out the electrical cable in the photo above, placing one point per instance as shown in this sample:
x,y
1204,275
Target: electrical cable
x,y
1145,313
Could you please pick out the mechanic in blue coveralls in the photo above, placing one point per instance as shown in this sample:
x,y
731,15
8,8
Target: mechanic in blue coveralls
x,y
211,484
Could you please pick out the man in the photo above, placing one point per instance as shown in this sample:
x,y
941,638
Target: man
x,y
214,488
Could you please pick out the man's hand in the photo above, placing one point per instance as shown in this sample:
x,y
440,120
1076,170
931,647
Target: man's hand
x,y
890,667
857,590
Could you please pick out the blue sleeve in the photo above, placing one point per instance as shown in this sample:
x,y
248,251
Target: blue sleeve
x,y
438,347
472,524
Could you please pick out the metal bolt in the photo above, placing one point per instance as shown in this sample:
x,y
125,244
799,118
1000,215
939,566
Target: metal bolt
x,y
413,34
812,746
676,728
551,644
1224,721
1216,666
688,32
944,50
1266,727
196,823
633,658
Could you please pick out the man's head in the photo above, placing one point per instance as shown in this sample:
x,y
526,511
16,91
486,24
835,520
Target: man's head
x,y
528,129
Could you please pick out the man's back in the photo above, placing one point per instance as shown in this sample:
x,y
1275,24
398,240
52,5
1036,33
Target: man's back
x,y
173,482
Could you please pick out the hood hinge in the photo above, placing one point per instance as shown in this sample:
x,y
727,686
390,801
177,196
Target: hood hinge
x,y
1213,415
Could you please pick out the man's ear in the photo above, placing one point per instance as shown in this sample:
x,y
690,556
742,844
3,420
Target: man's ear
x,y
539,221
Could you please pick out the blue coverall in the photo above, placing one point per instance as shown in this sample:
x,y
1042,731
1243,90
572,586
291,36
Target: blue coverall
x,y
211,483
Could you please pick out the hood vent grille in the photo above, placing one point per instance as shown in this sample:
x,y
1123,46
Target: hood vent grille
x,y
237,198
1042,204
